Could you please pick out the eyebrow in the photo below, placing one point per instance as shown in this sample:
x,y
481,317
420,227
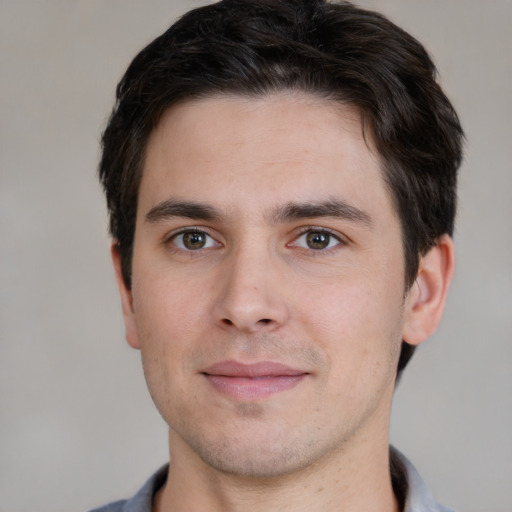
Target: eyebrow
x,y
332,208
172,208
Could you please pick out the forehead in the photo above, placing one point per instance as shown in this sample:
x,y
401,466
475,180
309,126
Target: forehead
x,y
285,146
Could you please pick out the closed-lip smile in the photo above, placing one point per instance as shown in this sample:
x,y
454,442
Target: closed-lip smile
x,y
252,381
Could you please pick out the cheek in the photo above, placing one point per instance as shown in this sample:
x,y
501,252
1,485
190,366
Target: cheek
x,y
358,329
168,308
163,327
165,321
357,322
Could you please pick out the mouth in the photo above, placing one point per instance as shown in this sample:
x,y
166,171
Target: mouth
x,y
252,381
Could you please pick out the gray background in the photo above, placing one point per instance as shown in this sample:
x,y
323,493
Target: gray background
x,y
77,427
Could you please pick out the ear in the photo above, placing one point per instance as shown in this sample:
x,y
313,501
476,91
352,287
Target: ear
x,y
427,296
132,335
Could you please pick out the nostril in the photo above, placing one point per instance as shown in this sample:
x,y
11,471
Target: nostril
x,y
227,321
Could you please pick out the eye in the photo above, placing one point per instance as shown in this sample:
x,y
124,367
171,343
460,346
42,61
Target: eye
x,y
317,240
193,240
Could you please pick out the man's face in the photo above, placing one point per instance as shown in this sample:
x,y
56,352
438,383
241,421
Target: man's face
x,y
268,283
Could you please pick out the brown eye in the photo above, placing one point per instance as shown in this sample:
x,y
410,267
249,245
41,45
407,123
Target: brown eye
x,y
193,240
316,240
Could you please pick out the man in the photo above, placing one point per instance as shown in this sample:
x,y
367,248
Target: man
x,y
281,179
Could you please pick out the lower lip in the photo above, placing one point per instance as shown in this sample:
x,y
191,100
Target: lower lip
x,y
253,388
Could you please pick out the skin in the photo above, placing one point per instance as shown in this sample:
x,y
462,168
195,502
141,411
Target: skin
x,y
248,278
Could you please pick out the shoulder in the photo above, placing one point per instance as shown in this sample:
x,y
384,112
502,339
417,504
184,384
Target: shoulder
x,y
142,501
416,494
116,506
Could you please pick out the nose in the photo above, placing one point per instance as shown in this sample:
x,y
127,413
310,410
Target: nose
x,y
250,295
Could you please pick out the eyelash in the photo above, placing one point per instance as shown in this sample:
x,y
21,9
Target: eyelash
x,y
171,239
341,241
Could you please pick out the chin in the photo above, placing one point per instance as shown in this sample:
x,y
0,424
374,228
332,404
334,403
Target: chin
x,y
254,462
257,454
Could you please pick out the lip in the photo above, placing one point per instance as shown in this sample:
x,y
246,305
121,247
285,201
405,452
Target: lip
x,y
252,381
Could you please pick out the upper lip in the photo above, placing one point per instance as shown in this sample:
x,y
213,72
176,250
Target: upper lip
x,y
261,369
